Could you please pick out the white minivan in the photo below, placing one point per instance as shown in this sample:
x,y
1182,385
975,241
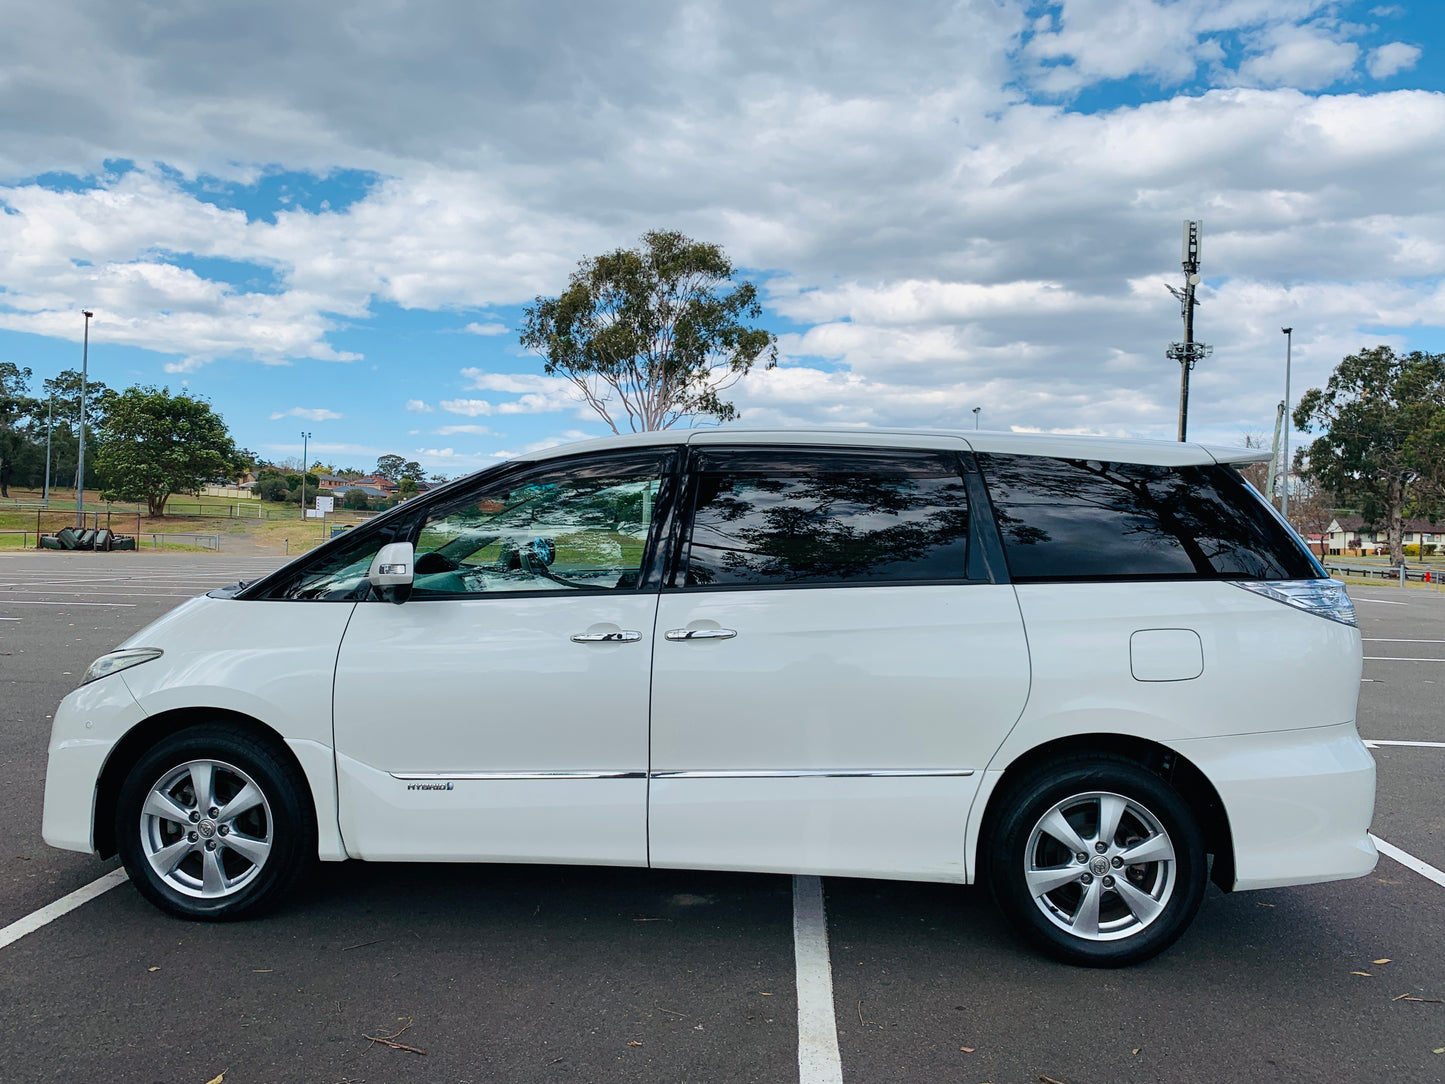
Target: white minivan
x,y
1090,673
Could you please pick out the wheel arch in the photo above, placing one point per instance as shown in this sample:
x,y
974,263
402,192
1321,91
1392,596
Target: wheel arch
x,y
1169,764
128,751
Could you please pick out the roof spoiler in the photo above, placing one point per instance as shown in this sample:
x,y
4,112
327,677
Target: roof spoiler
x,y
1239,456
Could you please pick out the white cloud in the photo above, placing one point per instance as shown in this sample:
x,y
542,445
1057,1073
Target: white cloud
x,y
325,448
471,408
1391,59
566,437
1306,57
485,329
312,414
471,430
1082,42
945,240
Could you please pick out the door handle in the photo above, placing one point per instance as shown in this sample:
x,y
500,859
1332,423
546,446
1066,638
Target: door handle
x,y
622,636
700,634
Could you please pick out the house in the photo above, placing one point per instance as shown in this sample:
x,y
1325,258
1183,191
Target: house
x,y
376,481
1350,537
371,492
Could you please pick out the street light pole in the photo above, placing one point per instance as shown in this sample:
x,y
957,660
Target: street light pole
x,y
305,443
975,417
80,466
1284,466
49,424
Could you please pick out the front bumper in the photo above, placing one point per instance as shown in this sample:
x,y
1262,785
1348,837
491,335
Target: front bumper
x,y
1299,803
87,725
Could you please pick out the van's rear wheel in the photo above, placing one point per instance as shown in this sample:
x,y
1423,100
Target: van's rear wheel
x,y
214,824
1097,860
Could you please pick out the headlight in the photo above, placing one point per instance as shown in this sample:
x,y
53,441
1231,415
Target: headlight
x,y
113,662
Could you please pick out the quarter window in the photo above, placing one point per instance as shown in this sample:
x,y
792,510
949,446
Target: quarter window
x,y
577,527
791,517
1074,519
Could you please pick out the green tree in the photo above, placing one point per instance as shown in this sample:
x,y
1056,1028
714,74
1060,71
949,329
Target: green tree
x,y
406,487
1383,417
271,488
64,387
412,471
653,332
155,444
355,499
390,467
16,408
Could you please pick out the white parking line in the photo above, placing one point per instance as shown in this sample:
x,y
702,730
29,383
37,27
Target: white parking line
x,y
63,906
1392,640
818,1059
1381,601
1374,743
20,602
1409,861
67,589
1398,658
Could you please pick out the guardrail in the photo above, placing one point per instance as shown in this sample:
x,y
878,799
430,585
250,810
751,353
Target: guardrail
x,y
1398,573
207,541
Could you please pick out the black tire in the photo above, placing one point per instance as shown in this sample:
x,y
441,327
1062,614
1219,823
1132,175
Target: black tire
x,y
255,857
1121,926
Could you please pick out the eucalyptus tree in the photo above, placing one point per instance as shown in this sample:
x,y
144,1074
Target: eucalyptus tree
x,y
653,335
1382,417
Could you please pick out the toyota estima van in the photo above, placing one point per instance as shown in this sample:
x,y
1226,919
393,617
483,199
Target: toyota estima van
x,y
1091,674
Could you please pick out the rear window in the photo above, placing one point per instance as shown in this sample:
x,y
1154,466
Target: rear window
x,y
1075,519
819,517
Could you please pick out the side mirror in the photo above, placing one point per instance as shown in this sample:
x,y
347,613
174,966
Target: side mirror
x,y
391,569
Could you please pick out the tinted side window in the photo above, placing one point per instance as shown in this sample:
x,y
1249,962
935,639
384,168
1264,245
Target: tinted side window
x,y
1073,519
795,517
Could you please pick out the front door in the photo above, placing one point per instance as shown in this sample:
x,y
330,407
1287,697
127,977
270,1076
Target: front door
x,y
501,712
832,667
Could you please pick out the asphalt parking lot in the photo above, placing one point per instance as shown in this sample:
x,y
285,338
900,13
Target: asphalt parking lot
x,y
519,973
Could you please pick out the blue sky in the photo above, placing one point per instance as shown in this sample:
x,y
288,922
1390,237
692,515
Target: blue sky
x,y
946,206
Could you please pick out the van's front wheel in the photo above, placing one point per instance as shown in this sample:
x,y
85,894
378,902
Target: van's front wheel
x,y
214,824
1098,861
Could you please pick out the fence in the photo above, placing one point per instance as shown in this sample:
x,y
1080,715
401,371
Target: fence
x,y
31,539
205,541
1399,574
190,509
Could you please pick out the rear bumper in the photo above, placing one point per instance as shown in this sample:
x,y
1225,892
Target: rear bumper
x,y
1299,803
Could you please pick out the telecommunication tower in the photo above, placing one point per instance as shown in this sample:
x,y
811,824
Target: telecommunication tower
x,y
1188,352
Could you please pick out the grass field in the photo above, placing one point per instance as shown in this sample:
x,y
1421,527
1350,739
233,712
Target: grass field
x,y
284,531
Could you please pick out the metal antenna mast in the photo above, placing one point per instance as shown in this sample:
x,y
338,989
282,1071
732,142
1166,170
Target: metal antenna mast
x,y
1188,352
